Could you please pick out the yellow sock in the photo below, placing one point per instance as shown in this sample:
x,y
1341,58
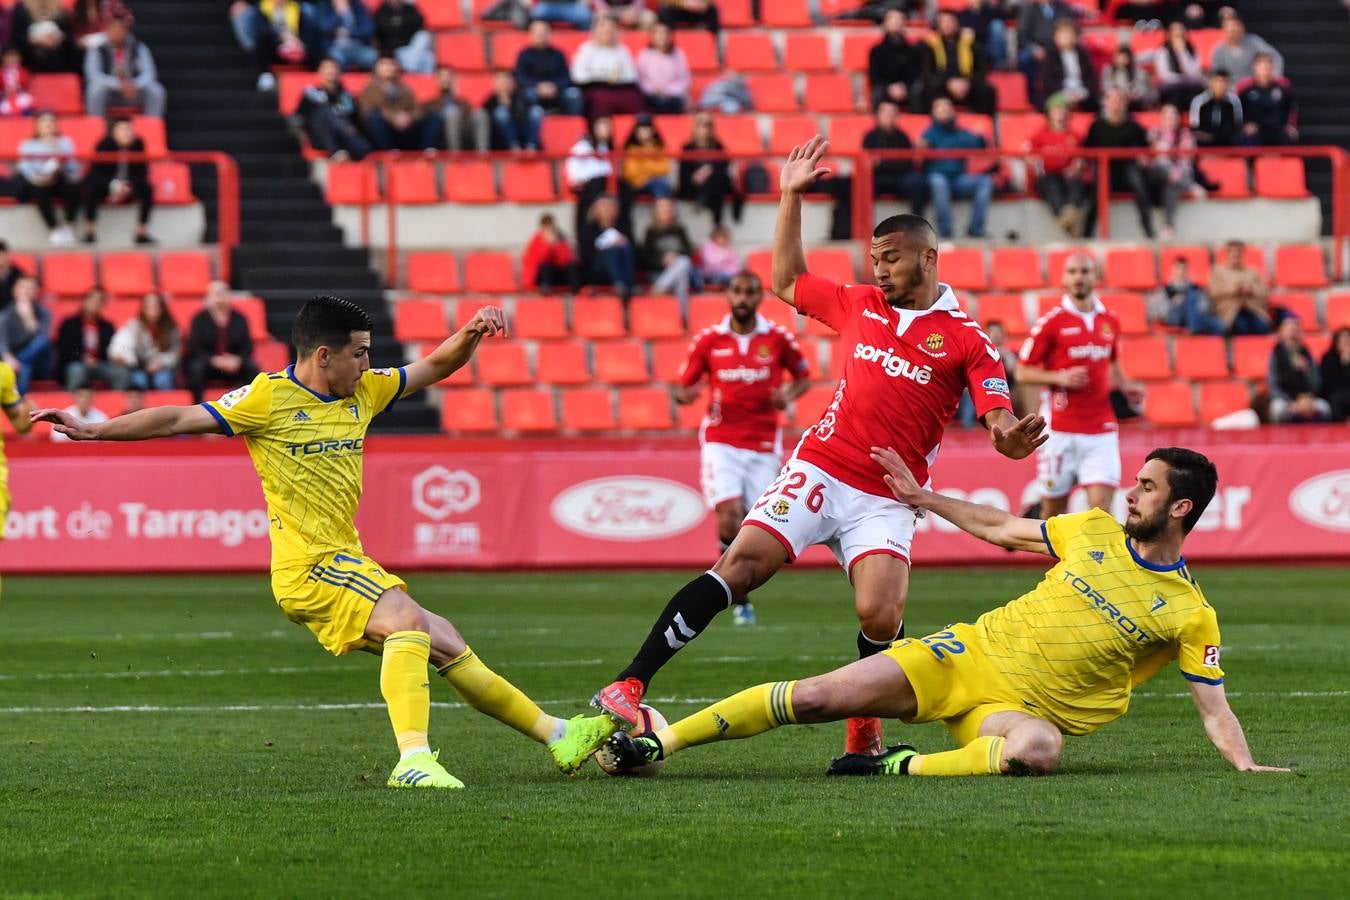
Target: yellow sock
x,y
980,757
490,693
404,684
753,711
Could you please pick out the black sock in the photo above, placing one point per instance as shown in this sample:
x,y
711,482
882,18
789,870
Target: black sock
x,y
868,647
685,616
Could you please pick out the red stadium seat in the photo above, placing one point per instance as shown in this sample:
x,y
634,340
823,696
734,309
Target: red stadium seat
x,y
291,88
1131,269
491,272
563,362
668,358
127,274
740,134
1016,269
502,364
185,273
1011,88
1197,259
598,318
773,93
1170,403
59,93
411,181
505,46
1205,40
440,15
963,268
809,407
761,263
833,263
462,51
830,93
68,274
587,409
171,182
621,362
1145,358
787,132
1301,304
465,308
469,410
352,184
557,134
255,313
470,182
539,319
675,130
527,181
419,320
786,14
1251,355
655,317
1131,310
120,312
529,410
779,313
808,52
736,13
706,310
856,50
1201,358
645,409
1229,173
1338,310
700,49
846,133
1015,129
1280,177
271,355
1219,398
433,272
1300,265
689,417
1006,308
750,51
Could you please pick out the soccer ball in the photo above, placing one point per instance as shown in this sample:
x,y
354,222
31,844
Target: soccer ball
x,y
648,720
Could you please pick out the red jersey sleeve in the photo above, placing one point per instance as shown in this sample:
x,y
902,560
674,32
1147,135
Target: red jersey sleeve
x,y
985,377
823,300
696,366
1036,348
792,359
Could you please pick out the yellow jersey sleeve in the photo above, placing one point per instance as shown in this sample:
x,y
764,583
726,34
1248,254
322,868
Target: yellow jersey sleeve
x,y
9,389
1059,530
244,410
1198,647
383,387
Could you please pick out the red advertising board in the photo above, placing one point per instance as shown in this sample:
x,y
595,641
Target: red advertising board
x,y
437,504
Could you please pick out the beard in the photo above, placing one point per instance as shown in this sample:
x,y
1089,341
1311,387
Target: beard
x,y
901,295
1147,529
742,316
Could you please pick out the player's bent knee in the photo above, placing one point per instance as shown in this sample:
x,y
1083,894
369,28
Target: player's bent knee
x,y
1033,751
815,700
396,611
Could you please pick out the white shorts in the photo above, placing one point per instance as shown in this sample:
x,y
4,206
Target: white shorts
x,y
805,506
1077,459
734,473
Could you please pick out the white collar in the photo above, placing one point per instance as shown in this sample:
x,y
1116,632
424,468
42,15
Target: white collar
x,y
1097,307
762,326
946,302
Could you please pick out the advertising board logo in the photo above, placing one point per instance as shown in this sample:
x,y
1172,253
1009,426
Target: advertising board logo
x,y
628,508
1324,500
439,492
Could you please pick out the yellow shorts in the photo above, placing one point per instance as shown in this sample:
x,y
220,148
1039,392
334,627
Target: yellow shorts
x,y
334,597
4,507
954,683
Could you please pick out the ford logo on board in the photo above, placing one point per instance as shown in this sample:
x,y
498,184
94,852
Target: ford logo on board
x,y
1324,500
632,508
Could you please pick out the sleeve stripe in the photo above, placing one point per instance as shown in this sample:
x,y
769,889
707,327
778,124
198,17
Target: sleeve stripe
x,y
1200,679
1045,535
229,432
402,383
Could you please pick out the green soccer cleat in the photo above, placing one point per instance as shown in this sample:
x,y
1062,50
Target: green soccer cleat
x,y
895,761
583,736
422,771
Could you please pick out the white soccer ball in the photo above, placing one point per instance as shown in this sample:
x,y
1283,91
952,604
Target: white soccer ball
x,y
648,720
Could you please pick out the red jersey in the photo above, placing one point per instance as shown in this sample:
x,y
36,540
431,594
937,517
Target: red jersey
x,y
1062,339
744,370
902,380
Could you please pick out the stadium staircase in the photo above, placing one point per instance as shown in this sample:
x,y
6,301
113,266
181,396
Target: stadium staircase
x,y
290,249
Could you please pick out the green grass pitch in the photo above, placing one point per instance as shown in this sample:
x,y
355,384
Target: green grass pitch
x,y
178,737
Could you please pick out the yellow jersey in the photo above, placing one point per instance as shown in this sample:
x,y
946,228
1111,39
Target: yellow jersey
x,y
1102,621
307,449
9,398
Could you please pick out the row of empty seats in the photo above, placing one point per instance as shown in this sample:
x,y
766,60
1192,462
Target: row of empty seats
x,y
129,274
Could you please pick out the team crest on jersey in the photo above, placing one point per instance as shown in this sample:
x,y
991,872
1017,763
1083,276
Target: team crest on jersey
x,y
778,510
934,341
385,372
232,399
1097,555
764,353
1106,329
355,411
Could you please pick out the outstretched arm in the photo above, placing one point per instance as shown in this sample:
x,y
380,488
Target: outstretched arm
x,y
454,352
991,525
1223,728
1013,437
20,416
799,173
143,425
1072,379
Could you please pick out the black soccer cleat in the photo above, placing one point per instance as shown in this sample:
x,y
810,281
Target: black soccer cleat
x,y
634,752
895,761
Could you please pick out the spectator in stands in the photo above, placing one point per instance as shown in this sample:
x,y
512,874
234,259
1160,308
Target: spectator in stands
x,y
1180,74
606,251
1067,72
1239,292
1181,303
344,30
84,410
121,72
270,30
25,329
120,181
576,13
954,66
708,180
894,177
663,73
149,346
328,111
1294,378
1268,106
48,172
718,260
82,347
15,99
984,18
1036,37
604,70
948,178
1336,375
515,122
728,94
1237,53
219,346
1060,174
1171,170
549,261
394,119
401,32
628,13
10,274
668,255
88,20
466,128
690,14
541,72
1114,127
40,29
893,65
1216,115
1123,73
646,166
588,170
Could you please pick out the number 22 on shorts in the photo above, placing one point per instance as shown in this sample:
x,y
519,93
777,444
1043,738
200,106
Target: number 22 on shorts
x,y
944,641
788,485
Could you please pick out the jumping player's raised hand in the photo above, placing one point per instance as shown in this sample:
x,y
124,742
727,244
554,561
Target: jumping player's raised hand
x,y
1022,439
65,423
488,321
803,167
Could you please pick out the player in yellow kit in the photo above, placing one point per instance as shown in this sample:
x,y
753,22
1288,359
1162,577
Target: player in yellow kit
x,y
305,428
16,410
1117,606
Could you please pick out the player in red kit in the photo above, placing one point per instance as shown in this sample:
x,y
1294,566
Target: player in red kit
x,y
743,359
911,353
1072,351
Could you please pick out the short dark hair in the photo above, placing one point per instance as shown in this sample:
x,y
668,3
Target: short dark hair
x,y
748,273
1190,476
911,225
327,321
